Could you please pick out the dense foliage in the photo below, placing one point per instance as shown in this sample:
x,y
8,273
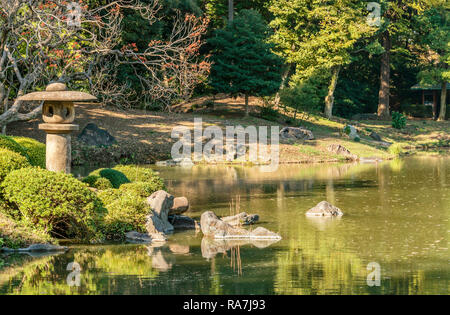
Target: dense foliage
x,y
10,161
127,211
115,177
56,203
9,143
243,59
34,149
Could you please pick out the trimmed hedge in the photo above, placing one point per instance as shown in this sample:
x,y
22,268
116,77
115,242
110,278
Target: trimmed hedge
x,y
57,203
127,211
143,189
137,173
115,177
10,161
34,149
9,143
98,182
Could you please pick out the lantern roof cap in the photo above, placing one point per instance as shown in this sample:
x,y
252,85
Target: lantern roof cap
x,y
58,92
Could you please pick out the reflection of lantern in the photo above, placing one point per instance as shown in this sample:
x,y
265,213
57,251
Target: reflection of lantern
x,y
58,113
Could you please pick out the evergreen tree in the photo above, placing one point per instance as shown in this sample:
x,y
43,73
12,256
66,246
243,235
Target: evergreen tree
x,y
243,61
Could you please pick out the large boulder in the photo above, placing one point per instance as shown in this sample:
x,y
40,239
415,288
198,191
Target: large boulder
x,y
338,149
92,135
352,132
212,226
324,209
296,133
158,223
375,136
241,219
179,206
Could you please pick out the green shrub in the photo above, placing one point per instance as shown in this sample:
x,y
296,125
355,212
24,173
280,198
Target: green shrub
x,y
269,113
396,149
10,161
57,203
398,120
9,143
115,177
34,149
127,211
98,182
102,184
143,189
136,173
16,234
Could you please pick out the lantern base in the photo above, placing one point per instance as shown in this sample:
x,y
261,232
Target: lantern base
x,y
58,146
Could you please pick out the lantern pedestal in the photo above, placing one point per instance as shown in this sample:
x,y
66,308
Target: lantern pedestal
x,y
59,150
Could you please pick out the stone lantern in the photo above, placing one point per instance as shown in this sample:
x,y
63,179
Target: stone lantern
x,y
58,113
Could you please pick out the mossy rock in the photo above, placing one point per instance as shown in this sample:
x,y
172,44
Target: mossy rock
x,y
9,143
54,202
10,161
115,177
34,149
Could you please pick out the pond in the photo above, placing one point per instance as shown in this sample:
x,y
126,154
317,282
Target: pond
x,y
396,217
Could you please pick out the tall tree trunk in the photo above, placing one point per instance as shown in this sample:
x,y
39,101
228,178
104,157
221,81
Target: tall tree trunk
x,y
284,80
385,73
246,105
230,10
329,99
443,110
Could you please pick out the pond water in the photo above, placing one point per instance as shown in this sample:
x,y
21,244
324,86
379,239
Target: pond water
x,y
396,216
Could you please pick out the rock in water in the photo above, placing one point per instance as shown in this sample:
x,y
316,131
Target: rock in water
x,y
94,136
38,248
241,219
134,236
324,209
263,233
180,205
212,226
296,133
158,223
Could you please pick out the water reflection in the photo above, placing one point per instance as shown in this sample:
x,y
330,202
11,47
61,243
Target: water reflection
x,y
395,214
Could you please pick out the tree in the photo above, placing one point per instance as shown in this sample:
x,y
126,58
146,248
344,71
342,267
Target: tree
x,y
395,22
43,41
433,33
243,62
318,36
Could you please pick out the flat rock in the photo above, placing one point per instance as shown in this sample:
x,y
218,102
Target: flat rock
x,y
92,135
324,208
138,237
38,248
